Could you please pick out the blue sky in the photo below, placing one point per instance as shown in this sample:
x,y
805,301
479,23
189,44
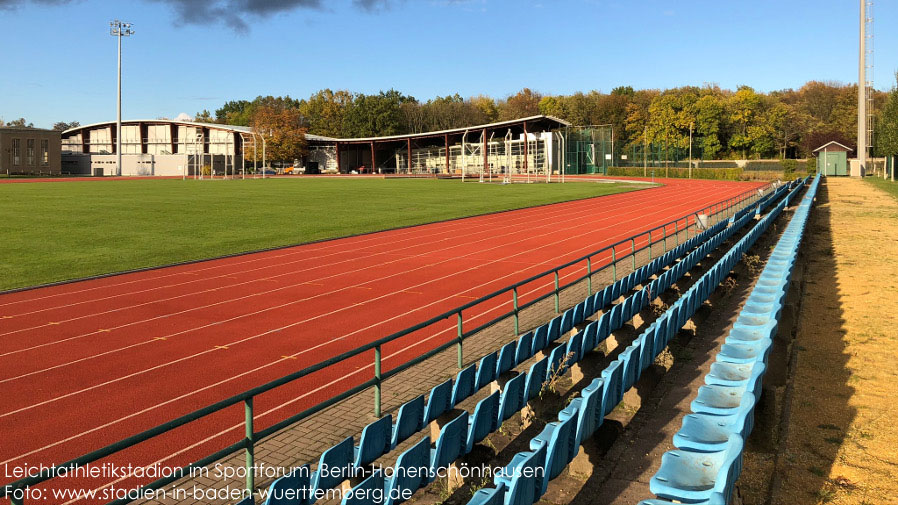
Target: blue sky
x,y
59,60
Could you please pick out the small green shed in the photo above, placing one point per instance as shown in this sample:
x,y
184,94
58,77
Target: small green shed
x,y
832,158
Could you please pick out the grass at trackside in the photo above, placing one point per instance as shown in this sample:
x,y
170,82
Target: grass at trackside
x,y
888,186
65,230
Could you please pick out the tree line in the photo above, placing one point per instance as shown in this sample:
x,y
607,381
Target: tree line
x,y
725,124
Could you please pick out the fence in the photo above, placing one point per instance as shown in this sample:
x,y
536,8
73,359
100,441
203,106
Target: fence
x,y
518,306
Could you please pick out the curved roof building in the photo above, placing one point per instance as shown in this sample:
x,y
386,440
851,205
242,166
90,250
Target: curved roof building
x,y
167,147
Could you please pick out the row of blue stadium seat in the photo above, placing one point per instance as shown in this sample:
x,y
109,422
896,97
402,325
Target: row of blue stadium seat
x,y
708,459
558,443
459,435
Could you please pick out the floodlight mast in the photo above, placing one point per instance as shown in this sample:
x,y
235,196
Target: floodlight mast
x,y
119,29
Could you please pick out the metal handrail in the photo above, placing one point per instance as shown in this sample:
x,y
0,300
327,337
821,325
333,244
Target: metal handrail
x,y
14,490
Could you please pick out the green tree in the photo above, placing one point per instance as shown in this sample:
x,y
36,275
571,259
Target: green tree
x,y
237,113
887,128
708,112
203,117
524,103
282,129
20,123
376,115
325,111
63,126
487,107
744,108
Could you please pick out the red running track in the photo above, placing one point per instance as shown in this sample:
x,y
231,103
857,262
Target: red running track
x,y
85,364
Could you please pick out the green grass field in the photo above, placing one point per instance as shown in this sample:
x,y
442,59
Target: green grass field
x,y
886,185
65,230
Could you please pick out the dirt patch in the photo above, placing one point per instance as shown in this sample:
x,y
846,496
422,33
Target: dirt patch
x,y
842,442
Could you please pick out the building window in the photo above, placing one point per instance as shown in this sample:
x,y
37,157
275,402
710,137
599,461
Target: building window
x,y
16,152
29,152
45,152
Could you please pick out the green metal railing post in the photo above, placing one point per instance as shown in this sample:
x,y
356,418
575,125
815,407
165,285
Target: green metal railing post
x,y
589,276
514,293
613,265
677,230
557,301
665,238
633,252
377,385
650,246
250,445
460,338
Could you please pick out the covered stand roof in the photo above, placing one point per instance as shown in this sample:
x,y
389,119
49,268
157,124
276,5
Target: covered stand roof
x,y
534,123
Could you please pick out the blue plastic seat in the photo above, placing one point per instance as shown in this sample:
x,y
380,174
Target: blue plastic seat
x,y
556,361
573,349
647,348
464,384
567,322
409,420
598,302
512,399
439,401
607,296
745,352
525,348
540,339
611,395
734,374
752,332
522,477
486,370
709,433
536,376
483,422
693,477
604,328
616,289
586,408
673,321
639,302
617,319
375,441
629,359
681,310
506,358
554,329
406,479
451,444
291,489
367,491
718,400
626,309
558,439
580,312
589,338
660,334
337,461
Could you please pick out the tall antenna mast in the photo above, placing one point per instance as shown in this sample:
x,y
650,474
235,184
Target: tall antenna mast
x,y
864,87
868,67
